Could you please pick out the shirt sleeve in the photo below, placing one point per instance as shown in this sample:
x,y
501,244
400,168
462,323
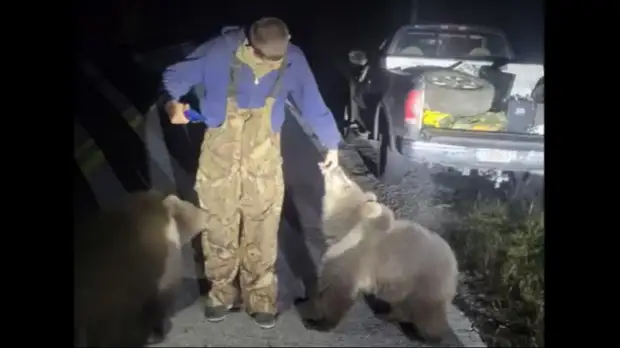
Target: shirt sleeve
x,y
308,99
179,78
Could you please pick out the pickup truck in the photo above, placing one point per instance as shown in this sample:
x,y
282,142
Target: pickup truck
x,y
458,70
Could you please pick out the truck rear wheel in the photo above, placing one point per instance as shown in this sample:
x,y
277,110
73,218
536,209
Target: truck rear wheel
x,y
457,93
345,125
351,112
391,165
352,108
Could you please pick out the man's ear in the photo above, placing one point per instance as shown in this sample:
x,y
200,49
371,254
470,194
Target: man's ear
x,y
371,209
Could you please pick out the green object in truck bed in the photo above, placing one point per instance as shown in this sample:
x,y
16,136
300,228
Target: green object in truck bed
x,y
489,121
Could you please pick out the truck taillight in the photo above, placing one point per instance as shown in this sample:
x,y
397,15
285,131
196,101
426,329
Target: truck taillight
x,y
414,106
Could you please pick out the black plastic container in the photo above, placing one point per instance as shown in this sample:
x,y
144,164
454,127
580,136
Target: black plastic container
x,y
521,114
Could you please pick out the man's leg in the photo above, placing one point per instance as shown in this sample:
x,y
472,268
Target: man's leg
x,y
258,276
259,242
220,244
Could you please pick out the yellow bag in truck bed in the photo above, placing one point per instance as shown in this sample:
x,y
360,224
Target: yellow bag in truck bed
x,y
489,121
436,119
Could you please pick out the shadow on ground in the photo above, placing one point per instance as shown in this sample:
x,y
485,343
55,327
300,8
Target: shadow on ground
x,y
123,149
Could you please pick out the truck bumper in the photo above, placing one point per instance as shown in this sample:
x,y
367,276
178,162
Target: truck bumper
x,y
465,157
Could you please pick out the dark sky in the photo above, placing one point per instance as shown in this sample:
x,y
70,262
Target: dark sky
x,y
355,23
371,21
522,20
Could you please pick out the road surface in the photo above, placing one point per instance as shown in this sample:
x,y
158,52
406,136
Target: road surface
x,y
136,152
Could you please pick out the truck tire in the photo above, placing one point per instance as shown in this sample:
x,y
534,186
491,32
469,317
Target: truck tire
x,y
391,165
457,93
351,112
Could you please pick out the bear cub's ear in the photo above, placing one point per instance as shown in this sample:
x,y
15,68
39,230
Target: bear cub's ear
x,y
371,209
172,202
371,196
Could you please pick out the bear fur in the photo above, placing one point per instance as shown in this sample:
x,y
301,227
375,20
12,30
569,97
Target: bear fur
x,y
369,252
126,262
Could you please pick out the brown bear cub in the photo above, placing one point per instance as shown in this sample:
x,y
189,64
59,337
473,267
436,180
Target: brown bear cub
x,y
369,252
126,262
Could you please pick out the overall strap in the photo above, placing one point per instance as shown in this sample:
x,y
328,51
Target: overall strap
x,y
277,86
235,69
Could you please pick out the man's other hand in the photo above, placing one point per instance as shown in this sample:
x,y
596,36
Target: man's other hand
x,y
176,112
331,159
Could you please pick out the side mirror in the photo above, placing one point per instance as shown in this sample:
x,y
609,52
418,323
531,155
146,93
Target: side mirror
x,y
357,57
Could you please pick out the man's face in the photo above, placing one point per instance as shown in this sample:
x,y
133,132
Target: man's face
x,y
265,59
268,57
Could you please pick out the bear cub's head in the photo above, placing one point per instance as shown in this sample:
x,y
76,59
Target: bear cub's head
x,y
346,205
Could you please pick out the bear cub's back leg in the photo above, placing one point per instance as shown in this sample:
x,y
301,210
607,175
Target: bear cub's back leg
x,y
429,319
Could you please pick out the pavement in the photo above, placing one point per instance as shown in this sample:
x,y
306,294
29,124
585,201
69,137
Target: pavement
x,y
147,149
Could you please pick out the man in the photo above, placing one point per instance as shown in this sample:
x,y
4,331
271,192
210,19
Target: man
x,y
246,79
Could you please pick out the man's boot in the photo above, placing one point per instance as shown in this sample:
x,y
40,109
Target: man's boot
x,y
217,313
265,320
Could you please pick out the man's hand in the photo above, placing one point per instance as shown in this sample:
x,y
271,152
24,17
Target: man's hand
x,y
331,160
176,112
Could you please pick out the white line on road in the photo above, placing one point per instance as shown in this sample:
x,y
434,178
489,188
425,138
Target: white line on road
x,y
101,178
151,133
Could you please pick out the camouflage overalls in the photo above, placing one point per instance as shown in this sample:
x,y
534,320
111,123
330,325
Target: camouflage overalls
x,y
240,183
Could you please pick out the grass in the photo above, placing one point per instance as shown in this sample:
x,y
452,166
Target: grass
x,y
500,247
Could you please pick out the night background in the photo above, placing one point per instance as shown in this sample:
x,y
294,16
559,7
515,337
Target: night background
x,y
113,34
344,24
